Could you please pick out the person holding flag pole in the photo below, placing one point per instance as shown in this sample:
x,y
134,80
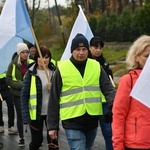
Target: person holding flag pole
x,y
34,97
96,52
13,30
79,86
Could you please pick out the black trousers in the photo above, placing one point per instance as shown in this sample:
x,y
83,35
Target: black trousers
x,y
10,109
17,104
36,128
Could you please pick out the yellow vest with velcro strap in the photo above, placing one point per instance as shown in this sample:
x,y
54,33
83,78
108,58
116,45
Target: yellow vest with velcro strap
x,y
33,99
80,94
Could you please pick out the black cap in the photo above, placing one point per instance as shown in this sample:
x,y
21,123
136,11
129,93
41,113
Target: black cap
x,y
79,41
31,45
96,41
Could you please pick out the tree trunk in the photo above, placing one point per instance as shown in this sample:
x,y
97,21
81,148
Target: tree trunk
x,y
119,9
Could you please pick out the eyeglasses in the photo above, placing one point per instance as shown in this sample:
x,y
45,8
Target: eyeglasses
x,y
53,144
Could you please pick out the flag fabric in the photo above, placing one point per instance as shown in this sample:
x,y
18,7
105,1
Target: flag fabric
x,y
81,25
14,27
6,53
141,89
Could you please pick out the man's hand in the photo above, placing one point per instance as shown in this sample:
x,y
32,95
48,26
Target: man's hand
x,y
53,134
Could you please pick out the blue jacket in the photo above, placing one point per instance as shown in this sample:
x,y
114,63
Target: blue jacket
x,y
25,92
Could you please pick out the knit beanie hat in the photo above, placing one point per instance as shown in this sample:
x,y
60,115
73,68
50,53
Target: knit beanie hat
x,y
21,47
96,41
31,45
79,41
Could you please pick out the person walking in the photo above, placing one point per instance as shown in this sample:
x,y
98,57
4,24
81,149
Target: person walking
x,y
96,52
131,124
78,88
6,96
34,97
14,78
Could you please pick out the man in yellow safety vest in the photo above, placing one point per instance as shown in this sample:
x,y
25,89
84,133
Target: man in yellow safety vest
x,y
79,87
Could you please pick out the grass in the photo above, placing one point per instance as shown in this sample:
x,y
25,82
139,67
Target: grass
x,y
111,55
114,55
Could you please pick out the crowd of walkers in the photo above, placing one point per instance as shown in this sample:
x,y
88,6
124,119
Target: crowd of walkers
x,y
79,92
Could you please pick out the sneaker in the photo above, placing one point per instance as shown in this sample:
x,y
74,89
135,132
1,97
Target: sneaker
x,y
2,129
21,143
12,130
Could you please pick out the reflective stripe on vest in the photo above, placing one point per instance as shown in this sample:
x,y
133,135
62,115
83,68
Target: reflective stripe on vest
x,y
33,99
80,94
14,73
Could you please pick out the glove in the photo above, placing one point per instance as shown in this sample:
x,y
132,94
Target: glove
x,y
108,117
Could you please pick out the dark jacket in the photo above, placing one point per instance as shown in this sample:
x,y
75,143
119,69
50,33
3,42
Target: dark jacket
x,y
25,92
15,86
103,62
4,90
84,122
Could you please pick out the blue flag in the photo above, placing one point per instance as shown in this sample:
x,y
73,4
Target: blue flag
x,y
14,28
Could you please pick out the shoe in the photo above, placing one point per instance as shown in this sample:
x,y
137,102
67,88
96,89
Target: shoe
x,y
12,131
2,129
21,143
41,145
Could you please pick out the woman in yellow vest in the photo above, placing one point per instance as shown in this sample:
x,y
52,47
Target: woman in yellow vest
x,y
14,78
34,96
79,87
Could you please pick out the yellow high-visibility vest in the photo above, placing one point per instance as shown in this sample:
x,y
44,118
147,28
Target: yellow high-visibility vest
x,y
31,61
33,99
53,61
80,94
13,73
2,75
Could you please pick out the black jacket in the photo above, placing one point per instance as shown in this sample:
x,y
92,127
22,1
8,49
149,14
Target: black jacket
x,y
85,122
103,62
4,90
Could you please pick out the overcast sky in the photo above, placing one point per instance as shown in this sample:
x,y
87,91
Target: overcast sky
x,y
59,2
52,2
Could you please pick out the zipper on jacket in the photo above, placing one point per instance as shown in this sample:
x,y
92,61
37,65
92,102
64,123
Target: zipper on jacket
x,y
135,123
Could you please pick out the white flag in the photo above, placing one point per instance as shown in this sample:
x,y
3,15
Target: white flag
x,y
81,25
14,27
141,89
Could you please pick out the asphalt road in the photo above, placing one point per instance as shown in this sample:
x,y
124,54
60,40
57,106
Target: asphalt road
x,y
11,141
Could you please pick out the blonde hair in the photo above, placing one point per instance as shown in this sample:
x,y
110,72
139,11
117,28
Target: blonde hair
x,y
136,49
19,61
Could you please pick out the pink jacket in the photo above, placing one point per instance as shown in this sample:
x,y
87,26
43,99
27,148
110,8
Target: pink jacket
x,y
131,118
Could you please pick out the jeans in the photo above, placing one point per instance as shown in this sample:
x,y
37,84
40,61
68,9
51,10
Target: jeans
x,y
17,103
106,129
81,140
10,110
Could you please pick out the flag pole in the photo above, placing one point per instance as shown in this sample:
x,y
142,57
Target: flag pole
x,y
112,81
1,97
38,48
